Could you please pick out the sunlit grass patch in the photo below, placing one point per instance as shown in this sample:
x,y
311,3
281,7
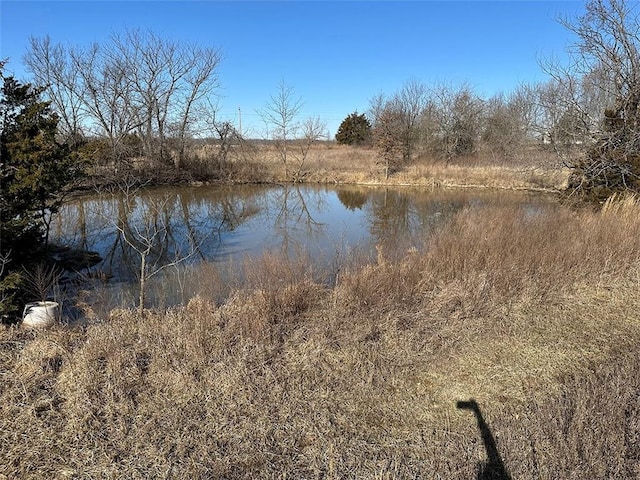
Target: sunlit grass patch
x,y
283,374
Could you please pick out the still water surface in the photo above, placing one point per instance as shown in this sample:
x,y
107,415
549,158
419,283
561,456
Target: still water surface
x,y
234,224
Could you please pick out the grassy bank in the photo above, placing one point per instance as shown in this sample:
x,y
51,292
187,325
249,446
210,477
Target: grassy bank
x,y
327,162
535,169
535,317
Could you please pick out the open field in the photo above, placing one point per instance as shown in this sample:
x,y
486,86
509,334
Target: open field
x,y
535,317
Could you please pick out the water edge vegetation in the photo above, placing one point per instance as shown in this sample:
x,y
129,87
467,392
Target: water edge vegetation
x,y
533,317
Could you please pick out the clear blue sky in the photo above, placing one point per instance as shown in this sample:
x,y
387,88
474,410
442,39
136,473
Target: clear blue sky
x,y
336,55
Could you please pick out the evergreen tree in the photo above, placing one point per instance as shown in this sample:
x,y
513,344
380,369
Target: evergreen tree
x,y
35,170
354,130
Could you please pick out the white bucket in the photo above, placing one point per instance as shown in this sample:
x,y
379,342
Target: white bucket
x,y
40,314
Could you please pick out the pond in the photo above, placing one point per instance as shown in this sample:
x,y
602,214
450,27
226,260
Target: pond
x,y
178,230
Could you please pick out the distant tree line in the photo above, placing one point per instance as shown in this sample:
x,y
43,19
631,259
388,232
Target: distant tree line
x,y
588,112
447,122
140,96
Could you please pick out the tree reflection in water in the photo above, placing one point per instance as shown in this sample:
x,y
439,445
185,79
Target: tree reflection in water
x,y
226,224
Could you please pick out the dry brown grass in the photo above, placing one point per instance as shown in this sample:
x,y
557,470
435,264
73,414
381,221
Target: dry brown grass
x,y
533,316
331,163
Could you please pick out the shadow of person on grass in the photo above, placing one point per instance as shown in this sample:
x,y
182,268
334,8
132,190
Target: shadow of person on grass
x,y
494,468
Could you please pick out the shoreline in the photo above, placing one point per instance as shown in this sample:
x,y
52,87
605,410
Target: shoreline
x,y
429,175
537,327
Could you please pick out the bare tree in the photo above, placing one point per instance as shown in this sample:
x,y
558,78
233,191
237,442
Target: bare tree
x,y
229,153
147,231
312,130
608,50
467,114
504,128
168,80
52,66
605,68
396,122
376,107
291,136
456,119
280,116
89,89
410,102
200,82
107,95
388,141
134,83
523,102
